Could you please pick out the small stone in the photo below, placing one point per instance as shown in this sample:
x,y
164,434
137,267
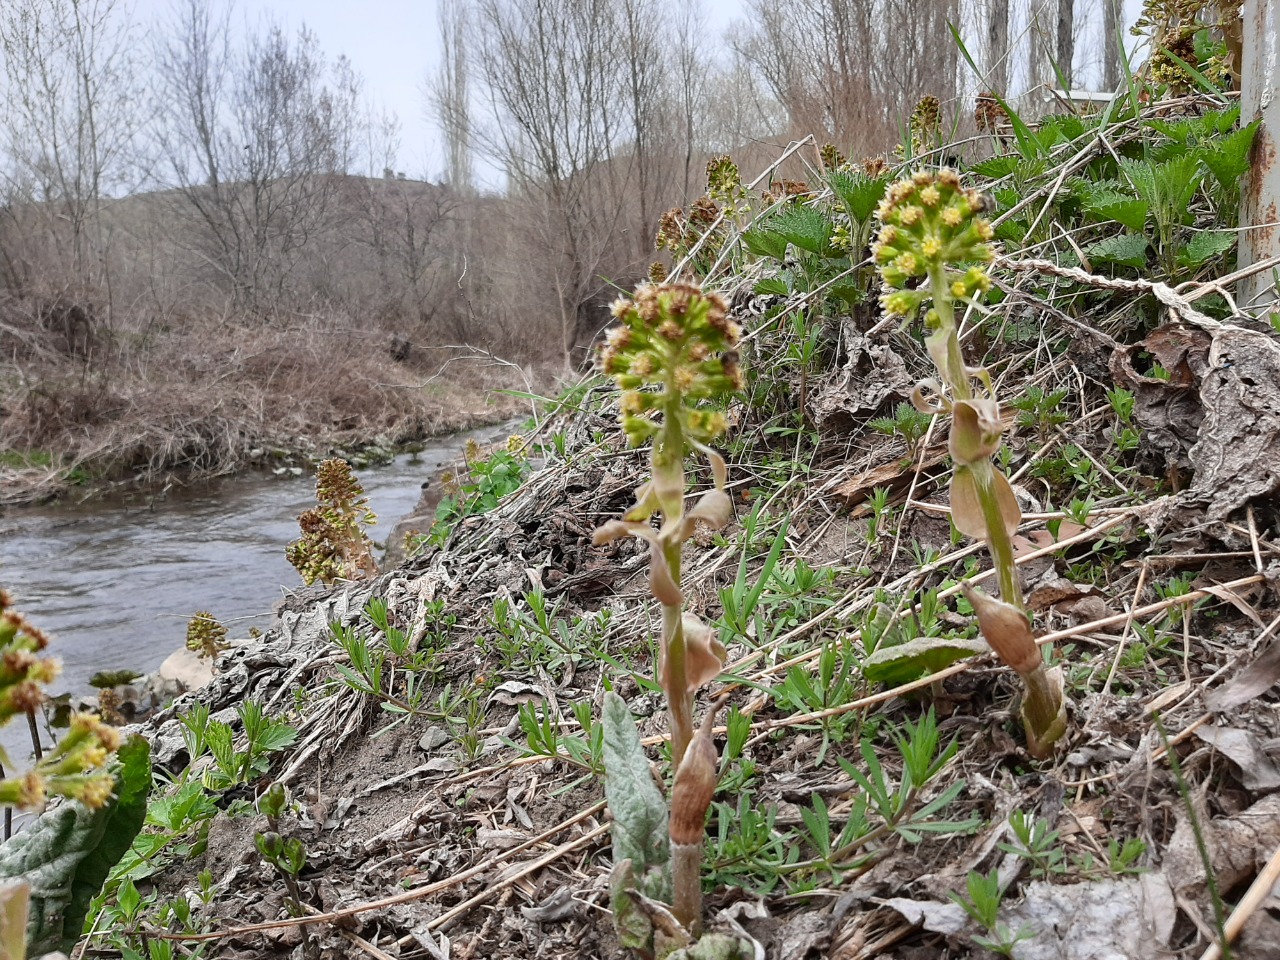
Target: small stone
x,y
434,738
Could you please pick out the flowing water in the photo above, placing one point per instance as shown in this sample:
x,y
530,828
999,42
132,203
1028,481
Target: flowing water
x,y
114,583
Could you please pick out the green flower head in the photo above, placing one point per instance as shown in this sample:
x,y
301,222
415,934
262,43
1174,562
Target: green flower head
x,y
673,347
930,222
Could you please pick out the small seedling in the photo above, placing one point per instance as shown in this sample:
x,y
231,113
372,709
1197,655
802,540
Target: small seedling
x,y
983,907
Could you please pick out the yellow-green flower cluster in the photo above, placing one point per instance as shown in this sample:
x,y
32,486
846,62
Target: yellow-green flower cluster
x,y
680,340
22,672
206,636
724,184
333,543
832,158
76,767
928,222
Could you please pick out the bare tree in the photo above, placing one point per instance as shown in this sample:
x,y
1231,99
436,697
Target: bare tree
x,y
1112,24
69,111
556,77
997,72
449,93
814,56
258,139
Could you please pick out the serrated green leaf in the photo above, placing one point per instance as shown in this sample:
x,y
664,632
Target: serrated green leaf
x,y
858,193
765,243
1205,246
1177,181
916,658
66,854
772,285
803,226
1129,249
638,809
1141,177
995,168
1107,204
1228,157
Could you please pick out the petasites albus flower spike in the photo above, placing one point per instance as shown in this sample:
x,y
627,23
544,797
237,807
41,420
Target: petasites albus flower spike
x,y
932,249
671,352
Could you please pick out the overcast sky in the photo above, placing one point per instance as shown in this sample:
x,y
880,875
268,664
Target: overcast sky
x,y
394,45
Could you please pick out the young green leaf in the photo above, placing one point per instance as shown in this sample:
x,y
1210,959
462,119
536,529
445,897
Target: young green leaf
x,y
1129,249
918,657
639,811
1206,245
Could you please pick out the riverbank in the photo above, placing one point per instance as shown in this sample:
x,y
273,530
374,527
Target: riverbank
x,y
181,411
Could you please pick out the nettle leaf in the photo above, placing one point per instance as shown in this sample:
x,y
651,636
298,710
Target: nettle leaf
x,y
765,243
639,811
1129,249
1060,129
773,285
1142,177
858,193
1228,158
1177,180
919,657
66,854
1107,204
995,168
803,226
1205,246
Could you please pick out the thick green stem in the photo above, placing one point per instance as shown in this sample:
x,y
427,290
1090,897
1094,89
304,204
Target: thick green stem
x,y
686,885
669,456
679,703
954,373
998,540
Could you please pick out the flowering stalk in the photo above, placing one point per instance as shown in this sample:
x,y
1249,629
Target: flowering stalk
x,y
930,229
671,351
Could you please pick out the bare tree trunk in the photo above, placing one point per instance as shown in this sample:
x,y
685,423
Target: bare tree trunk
x,y
997,73
1113,23
450,94
1066,47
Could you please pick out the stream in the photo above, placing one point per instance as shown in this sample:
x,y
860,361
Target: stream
x,y
114,582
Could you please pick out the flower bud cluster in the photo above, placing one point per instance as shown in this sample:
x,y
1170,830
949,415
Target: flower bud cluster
x,y
832,158
22,672
333,543
76,767
724,185
926,124
928,222
206,637
680,340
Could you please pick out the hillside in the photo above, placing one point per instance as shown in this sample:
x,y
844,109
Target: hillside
x,y
877,792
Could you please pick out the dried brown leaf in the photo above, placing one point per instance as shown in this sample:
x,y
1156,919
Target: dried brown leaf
x,y
1256,678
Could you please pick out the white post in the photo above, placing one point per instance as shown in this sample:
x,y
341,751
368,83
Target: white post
x,y
1260,191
